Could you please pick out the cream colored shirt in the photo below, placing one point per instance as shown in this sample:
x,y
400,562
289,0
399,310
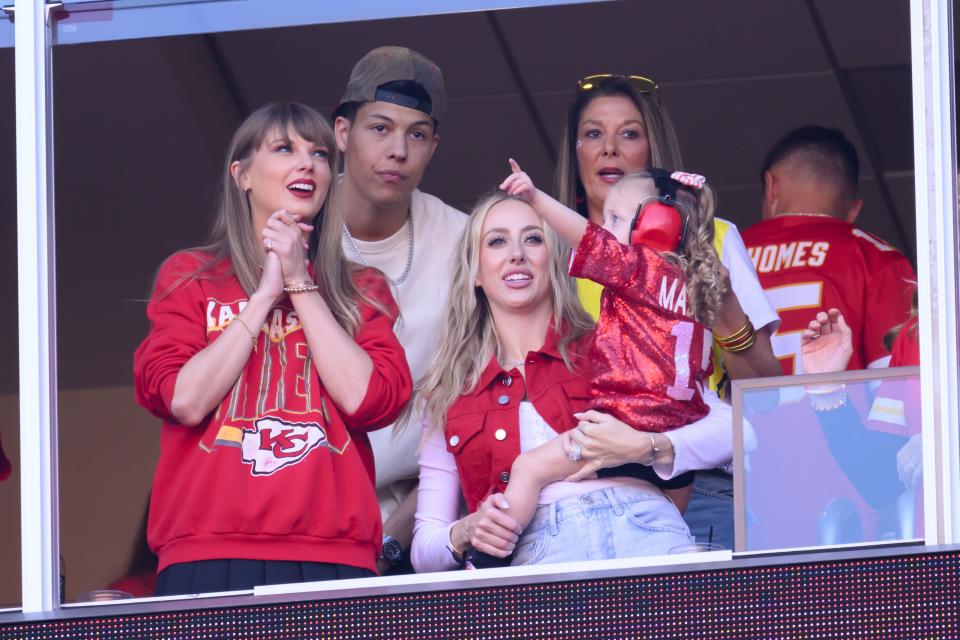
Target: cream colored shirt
x,y
422,298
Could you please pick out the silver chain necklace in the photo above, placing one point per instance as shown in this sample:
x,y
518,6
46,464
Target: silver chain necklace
x,y
362,260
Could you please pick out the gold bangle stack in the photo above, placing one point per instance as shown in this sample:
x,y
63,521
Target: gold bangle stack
x,y
741,340
300,287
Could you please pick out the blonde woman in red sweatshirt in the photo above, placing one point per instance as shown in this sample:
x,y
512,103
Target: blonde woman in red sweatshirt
x,y
269,358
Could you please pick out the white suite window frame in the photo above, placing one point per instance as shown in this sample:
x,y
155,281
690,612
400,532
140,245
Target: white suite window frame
x,y
931,30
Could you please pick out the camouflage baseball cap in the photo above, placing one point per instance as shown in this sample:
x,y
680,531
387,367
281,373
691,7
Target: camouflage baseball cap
x,y
412,81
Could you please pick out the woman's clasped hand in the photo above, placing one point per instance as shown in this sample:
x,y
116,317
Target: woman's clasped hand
x,y
606,442
285,239
490,529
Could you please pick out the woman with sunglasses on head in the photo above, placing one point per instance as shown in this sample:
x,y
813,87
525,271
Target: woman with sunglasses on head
x,y
269,357
614,126
513,373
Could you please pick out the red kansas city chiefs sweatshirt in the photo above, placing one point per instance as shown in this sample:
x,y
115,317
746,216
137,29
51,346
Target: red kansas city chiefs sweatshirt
x,y
277,471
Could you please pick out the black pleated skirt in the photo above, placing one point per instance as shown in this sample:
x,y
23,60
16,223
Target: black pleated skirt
x,y
206,576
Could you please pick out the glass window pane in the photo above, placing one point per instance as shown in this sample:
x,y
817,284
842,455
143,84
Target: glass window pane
x,y
120,197
9,410
832,464
98,21
142,124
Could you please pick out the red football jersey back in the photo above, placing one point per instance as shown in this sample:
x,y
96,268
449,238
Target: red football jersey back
x,y
808,264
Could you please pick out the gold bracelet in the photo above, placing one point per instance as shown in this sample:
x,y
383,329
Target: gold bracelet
x,y
745,344
456,553
731,344
253,336
736,336
301,287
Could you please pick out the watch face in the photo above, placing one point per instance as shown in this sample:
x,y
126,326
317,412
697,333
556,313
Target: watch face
x,y
391,549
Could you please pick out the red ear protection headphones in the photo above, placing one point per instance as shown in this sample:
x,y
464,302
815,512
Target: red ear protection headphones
x,y
659,224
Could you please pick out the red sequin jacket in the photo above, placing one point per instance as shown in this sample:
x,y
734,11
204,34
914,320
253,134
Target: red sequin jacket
x,y
649,358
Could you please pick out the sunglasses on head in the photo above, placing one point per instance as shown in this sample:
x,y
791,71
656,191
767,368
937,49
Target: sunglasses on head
x,y
659,224
597,80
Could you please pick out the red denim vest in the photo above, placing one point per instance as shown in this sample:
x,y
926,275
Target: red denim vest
x,y
482,429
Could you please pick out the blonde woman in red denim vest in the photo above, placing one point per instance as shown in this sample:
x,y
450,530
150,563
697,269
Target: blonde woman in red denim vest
x,y
509,376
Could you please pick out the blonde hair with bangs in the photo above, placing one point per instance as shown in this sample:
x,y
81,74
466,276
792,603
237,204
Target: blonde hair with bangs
x,y
232,235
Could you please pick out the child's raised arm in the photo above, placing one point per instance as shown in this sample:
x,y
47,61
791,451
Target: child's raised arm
x,y
568,224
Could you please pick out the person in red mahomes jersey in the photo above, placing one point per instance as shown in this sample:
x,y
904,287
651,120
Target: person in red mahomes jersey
x,y
810,257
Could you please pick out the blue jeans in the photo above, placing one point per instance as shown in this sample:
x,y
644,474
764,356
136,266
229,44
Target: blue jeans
x,y
710,512
618,522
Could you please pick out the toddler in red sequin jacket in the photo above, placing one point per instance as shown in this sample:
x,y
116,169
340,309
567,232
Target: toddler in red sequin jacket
x,y
654,256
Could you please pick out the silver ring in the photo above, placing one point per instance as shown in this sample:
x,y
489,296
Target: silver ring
x,y
576,452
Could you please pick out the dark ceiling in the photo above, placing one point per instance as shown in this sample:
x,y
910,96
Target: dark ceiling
x,y
141,126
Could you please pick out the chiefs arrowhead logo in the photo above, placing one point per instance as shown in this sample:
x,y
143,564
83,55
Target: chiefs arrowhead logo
x,y
274,444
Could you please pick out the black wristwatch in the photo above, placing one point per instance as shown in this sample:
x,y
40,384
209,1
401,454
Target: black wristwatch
x,y
392,551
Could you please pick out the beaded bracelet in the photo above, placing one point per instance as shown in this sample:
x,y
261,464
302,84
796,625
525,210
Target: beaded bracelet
x,y
826,397
823,403
301,287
